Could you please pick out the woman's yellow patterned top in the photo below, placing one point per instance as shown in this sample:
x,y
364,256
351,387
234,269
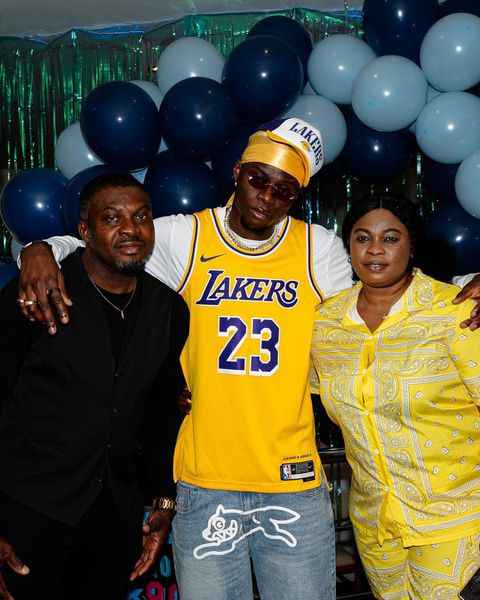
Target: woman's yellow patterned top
x,y
407,400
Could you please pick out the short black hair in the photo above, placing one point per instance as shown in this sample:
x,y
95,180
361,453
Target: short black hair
x,y
102,182
400,206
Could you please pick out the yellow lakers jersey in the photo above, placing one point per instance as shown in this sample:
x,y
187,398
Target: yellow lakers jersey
x,y
246,361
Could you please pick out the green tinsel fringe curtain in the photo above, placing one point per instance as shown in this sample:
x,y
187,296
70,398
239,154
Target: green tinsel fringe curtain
x,y
42,87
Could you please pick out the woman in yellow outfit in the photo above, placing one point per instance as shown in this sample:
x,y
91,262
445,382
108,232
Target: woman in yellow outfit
x,y
401,378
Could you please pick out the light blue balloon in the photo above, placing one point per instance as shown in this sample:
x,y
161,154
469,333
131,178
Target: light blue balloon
x,y
72,153
152,90
15,249
467,184
389,93
139,175
188,57
308,90
327,118
334,65
450,53
431,94
448,128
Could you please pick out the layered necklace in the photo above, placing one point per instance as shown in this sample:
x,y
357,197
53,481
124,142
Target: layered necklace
x,y
120,310
242,242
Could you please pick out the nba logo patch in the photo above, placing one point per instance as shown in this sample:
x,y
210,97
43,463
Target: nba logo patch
x,y
300,470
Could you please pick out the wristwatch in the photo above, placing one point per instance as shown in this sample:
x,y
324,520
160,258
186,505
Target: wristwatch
x,y
163,503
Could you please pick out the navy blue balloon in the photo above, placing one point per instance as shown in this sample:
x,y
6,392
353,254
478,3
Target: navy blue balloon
x,y
31,204
453,241
71,207
197,117
179,185
264,77
120,124
289,31
398,26
224,160
7,272
438,178
373,155
456,6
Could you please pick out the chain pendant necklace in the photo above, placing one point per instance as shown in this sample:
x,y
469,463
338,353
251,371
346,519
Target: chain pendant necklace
x,y
120,310
237,240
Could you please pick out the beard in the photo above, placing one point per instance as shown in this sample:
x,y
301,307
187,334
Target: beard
x,y
131,268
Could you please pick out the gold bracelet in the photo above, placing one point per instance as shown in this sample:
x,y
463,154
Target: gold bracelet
x,y
163,503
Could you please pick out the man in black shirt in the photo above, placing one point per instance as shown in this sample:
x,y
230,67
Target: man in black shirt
x,y
88,409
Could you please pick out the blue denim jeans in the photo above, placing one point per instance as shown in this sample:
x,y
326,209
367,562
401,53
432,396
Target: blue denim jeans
x,y
289,538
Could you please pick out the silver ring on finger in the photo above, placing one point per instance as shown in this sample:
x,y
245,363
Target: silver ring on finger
x,y
30,302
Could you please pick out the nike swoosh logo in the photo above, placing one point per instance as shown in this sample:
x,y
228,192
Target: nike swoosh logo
x,y
204,258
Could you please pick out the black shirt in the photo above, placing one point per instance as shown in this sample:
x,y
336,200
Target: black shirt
x,y
82,407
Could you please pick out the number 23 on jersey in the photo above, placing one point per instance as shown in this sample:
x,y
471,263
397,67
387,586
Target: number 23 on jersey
x,y
232,360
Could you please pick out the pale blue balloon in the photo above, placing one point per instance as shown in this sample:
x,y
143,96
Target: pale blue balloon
x,y
139,175
450,53
448,128
152,90
467,184
334,65
327,118
308,90
188,57
72,153
431,94
389,93
15,249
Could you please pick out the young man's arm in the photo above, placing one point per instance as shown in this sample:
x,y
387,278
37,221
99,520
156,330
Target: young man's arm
x,y
42,288
331,268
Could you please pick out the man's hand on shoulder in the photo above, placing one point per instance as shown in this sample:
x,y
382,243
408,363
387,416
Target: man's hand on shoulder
x,y
42,295
8,557
472,291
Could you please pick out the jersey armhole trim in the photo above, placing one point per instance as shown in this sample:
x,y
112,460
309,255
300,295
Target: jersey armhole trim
x,y
191,257
311,275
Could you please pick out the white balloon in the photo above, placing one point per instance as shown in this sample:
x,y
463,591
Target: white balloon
x,y
152,90
72,153
188,57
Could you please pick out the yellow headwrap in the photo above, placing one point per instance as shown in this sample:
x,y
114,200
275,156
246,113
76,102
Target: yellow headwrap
x,y
268,148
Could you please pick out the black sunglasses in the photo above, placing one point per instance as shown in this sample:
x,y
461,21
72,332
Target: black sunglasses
x,y
261,182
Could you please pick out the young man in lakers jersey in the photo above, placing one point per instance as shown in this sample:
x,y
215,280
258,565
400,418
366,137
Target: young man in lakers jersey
x,y
250,486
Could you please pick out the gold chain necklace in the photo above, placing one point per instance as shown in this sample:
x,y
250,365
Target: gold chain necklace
x,y
238,241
